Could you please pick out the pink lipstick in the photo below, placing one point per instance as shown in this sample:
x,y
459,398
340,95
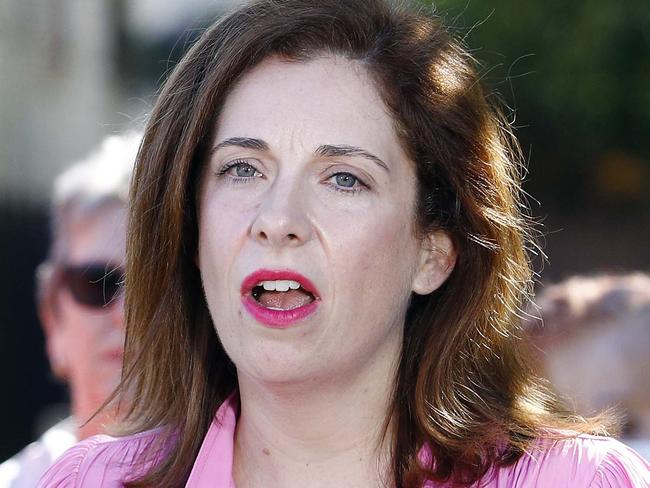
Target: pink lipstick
x,y
279,298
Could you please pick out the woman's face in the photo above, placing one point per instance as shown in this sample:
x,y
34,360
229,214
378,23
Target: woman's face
x,y
307,185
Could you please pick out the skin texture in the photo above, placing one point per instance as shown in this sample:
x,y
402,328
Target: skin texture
x,y
85,344
285,207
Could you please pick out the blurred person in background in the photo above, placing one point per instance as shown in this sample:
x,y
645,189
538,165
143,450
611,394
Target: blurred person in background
x,y
593,342
79,303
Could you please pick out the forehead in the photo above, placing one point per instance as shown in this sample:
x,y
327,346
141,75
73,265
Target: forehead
x,y
329,99
96,236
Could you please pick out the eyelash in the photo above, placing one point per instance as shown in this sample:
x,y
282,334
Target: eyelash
x,y
239,179
233,164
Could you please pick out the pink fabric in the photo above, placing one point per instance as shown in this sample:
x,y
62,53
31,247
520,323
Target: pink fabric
x,y
107,462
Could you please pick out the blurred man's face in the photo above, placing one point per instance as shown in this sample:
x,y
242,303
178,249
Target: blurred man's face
x,y
606,366
85,336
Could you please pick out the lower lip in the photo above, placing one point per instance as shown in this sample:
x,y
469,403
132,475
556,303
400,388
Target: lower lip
x,y
278,319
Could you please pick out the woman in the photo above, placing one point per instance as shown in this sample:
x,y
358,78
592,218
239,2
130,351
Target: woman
x,y
326,249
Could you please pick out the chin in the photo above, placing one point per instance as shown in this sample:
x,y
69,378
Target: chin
x,y
279,364
279,375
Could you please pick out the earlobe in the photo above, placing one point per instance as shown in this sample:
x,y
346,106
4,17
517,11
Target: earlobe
x,y
437,261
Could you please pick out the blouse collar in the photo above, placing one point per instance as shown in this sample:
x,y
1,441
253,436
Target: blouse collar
x,y
213,465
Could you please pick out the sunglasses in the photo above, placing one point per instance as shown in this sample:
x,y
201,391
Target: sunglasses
x,y
94,284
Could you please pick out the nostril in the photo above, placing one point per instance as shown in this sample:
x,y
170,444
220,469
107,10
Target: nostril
x,y
292,237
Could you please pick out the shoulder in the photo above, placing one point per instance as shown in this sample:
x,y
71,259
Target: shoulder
x,y
104,461
25,468
580,461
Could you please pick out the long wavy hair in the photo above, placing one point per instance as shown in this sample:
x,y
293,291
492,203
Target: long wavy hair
x,y
463,386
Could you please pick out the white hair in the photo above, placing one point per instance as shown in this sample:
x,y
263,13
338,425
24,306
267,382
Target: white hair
x,y
88,186
104,175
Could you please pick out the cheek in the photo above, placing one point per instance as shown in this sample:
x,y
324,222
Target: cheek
x,y
382,238
75,323
221,224
375,257
78,342
83,325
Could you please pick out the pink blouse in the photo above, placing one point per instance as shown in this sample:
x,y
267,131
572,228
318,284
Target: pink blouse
x,y
584,461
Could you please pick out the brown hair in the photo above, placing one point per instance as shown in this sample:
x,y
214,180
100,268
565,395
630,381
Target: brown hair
x,y
463,386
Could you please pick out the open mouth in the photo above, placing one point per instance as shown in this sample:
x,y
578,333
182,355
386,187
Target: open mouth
x,y
281,294
279,298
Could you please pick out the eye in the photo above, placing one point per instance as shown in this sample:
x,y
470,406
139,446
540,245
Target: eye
x,y
345,180
244,170
240,170
347,183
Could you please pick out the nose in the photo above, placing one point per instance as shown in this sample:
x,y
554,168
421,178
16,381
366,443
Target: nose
x,y
282,220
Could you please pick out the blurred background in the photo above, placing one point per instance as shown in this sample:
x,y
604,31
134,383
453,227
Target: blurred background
x,y
574,76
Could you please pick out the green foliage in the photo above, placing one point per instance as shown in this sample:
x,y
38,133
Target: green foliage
x,y
577,75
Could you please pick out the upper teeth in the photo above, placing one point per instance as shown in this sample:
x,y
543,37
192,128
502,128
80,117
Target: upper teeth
x,y
279,285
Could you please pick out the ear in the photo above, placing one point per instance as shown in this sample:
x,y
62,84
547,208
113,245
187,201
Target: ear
x,y
54,336
437,260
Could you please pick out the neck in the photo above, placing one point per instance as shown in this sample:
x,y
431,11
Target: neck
x,y
330,432
89,421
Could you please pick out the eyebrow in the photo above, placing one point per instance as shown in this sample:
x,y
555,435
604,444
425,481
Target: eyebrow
x,y
326,150
245,142
329,150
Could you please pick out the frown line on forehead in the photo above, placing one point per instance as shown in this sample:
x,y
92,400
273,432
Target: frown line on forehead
x,y
326,150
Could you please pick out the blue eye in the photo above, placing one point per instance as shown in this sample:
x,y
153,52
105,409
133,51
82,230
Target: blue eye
x,y
244,170
239,170
346,180
347,183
